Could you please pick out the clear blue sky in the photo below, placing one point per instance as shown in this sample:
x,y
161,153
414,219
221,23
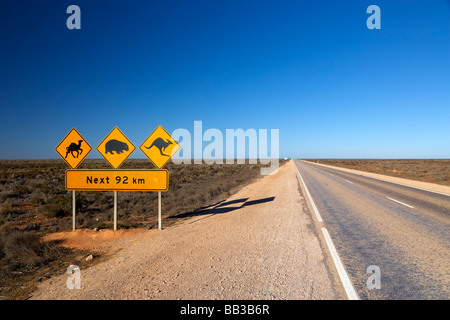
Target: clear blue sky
x,y
311,69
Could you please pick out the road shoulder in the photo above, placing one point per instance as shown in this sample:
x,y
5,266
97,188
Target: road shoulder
x,y
261,243
407,182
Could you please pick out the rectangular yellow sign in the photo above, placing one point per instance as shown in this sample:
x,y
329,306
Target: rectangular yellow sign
x,y
117,179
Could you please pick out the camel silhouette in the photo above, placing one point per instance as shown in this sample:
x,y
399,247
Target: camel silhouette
x,y
73,147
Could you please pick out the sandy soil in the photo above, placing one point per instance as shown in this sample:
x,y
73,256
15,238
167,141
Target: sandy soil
x,y
100,240
261,243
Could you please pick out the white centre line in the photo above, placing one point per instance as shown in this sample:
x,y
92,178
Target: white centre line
x,y
349,181
331,174
406,205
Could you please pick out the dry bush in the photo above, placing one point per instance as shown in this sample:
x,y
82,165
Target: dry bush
x,y
33,195
39,184
33,201
25,260
23,249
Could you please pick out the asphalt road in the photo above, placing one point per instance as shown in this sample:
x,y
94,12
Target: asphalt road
x,y
401,230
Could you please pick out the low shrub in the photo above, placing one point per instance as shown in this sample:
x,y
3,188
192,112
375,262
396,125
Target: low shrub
x,y
59,207
24,249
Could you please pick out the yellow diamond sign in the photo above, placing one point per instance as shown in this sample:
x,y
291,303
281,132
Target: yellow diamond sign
x,y
159,147
116,148
73,148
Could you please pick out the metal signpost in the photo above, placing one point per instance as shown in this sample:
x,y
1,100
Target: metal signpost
x,y
73,149
159,147
115,148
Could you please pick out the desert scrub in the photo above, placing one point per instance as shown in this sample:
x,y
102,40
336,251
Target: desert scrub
x,y
61,206
37,188
58,207
9,212
23,249
22,190
25,259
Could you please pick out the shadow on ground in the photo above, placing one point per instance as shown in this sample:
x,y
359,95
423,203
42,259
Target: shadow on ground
x,y
223,207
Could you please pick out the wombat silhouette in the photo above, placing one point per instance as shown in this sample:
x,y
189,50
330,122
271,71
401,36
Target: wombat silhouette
x,y
161,145
73,147
115,145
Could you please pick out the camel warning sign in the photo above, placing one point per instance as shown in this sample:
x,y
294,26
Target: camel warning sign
x,y
73,148
159,147
116,148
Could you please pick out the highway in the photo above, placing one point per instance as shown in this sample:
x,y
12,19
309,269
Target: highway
x,y
402,230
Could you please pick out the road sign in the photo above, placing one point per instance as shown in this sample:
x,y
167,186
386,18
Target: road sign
x,y
116,148
159,147
73,148
117,179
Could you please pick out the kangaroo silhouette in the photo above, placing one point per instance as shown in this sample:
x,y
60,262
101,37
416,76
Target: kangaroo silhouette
x,y
73,147
161,145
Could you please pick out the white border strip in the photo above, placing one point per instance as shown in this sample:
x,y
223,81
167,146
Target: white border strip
x,y
406,205
348,286
316,212
362,175
349,289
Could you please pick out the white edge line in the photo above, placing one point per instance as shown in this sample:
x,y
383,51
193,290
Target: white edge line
x,y
407,205
348,286
316,212
362,175
346,282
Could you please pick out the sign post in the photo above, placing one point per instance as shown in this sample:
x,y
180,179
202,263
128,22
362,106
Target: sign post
x,y
115,210
115,148
73,149
159,147
159,210
73,210
119,180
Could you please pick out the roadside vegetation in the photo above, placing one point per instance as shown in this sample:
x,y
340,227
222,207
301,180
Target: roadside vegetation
x,y
34,202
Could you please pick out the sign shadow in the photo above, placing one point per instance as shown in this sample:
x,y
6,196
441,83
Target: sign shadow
x,y
223,207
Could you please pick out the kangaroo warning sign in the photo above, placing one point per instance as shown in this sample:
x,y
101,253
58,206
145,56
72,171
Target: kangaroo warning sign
x,y
115,148
73,148
159,147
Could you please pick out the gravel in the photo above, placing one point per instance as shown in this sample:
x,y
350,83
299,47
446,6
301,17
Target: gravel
x,y
261,243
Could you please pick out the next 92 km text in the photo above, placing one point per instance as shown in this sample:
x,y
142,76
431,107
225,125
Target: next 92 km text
x,y
118,179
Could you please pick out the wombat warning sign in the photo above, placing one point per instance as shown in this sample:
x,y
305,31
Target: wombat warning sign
x,y
115,148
